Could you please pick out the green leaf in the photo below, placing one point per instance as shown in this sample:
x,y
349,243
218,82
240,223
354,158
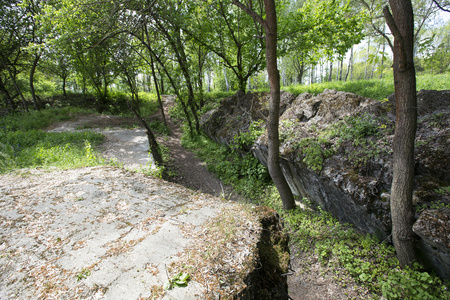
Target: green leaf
x,y
167,286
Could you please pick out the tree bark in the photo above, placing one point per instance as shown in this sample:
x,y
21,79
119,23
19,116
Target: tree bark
x,y
401,24
273,160
36,102
350,64
330,75
155,80
153,144
367,59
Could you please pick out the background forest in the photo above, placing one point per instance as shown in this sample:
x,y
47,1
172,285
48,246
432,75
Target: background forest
x,y
110,51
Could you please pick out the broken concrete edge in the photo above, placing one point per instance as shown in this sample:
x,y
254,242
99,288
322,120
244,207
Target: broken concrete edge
x,y
242,253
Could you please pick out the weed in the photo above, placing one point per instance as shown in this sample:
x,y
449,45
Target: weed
x,y
83,274
179,280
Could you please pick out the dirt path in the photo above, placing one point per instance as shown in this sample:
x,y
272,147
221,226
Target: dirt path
x,y
189,170
309,280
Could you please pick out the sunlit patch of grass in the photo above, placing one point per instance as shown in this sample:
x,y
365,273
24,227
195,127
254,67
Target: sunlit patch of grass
x,y
37,119
36,148
374,88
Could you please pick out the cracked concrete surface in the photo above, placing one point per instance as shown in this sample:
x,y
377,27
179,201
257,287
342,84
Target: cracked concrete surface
x,y
101,232
94,233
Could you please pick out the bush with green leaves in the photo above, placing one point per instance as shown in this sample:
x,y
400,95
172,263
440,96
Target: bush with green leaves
x,y
357,130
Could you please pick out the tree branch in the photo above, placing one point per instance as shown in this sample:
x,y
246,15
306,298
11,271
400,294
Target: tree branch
x,y
440,7
251,13
397,38
383,35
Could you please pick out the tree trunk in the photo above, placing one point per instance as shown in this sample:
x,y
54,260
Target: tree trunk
x,y
350,64
367,59
153,144
273,160
401,23
157,90
64,78
36,102
382,59
330,75
227,85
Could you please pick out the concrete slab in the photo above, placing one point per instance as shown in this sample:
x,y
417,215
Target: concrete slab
x,y
98,233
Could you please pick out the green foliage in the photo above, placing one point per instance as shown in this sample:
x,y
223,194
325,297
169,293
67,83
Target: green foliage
x,y
377,89
433,82
24,145
243,172
159,127
37,148
353,129
179,280
372,264
374,88
249,137
149,103
83,274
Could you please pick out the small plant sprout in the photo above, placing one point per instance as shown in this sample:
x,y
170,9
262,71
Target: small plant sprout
x,y
179,280
83,274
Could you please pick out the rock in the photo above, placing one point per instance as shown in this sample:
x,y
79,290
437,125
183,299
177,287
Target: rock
x,y
273,253
433,227
236,113
336,151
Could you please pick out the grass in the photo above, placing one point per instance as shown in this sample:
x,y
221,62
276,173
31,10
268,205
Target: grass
x,y
340,249
377,89
24,143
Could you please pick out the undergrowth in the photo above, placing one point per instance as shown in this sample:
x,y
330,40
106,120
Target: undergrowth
x,y
23,143
369,262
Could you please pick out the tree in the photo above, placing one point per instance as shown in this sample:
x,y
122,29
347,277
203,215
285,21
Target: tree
x,y
231,34
273,161
14,36
401,24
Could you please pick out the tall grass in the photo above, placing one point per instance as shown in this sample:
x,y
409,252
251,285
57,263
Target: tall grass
x,y
23,143
37,119
374,88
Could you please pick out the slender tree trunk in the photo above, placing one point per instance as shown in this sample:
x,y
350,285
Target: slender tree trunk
x,y
64,78
401,23
330,75
227,85
274,107
350,64
33,92
6,95
382,59
341,68
153,144
16,86
155,80
273,160
367,59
